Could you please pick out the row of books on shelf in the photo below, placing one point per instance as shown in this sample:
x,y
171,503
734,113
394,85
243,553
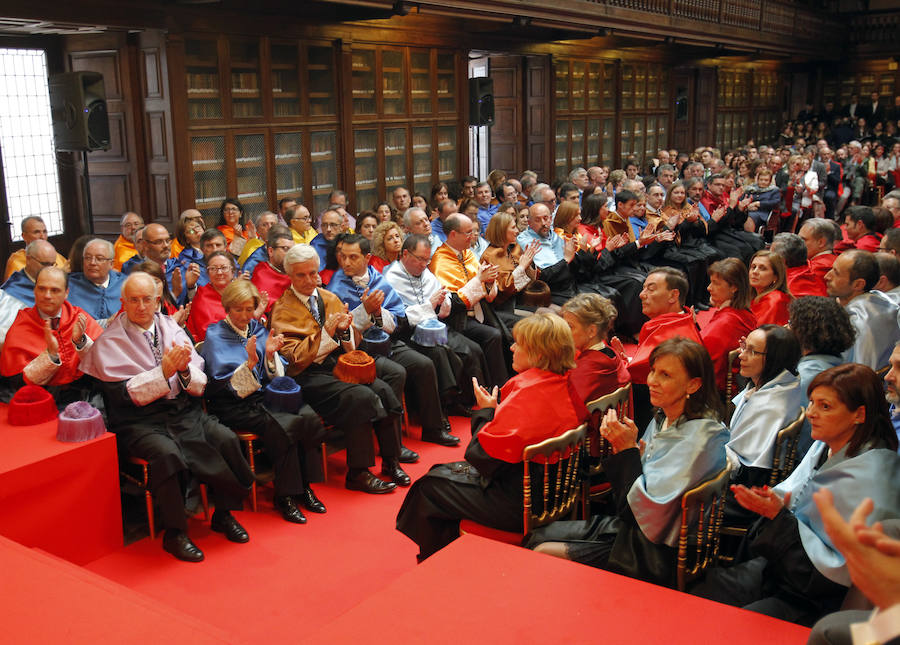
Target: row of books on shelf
x,y
210,188
244,81
205,109
202,81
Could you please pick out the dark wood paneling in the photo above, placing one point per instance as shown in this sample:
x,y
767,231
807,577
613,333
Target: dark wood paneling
x,y
506,149
537,124
705,108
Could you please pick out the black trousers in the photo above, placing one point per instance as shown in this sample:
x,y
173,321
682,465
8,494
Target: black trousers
x,y
491,343
422,381
356,409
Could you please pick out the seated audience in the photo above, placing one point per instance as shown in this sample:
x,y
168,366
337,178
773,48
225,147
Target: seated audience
x,y
768,277
889,276
97,289
9,309
206,307
851,280
124,246
39,254
299,220
729,293
317,329
231,223
255,249
819,234
45,343
166,299
153,242
796,574
33,228
387,240
685,445
189,219
241,358
859,223
823,329
152,380
598,369
537,404
515,265
801,280
269,276
366,224
331,224
555,254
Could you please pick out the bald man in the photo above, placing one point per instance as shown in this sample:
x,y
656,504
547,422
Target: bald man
x,y
38,254
33,228
155,243
125,246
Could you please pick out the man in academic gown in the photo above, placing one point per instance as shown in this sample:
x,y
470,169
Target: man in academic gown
x,y
45,343
555,256
97,289
800,278
662,301
124,248
819,234
254,250
269,276
155,243
331,225
33,228
152,380
317,329
373,303
9,309
20,285
852,280
469,284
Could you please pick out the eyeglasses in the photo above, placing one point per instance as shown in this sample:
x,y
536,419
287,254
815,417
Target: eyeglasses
x,y
301,218
331,224
99,259
745,348
224,269
160,242
421,259
45,264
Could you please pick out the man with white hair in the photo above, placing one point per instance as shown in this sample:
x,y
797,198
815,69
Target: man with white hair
x,y
317,329
152,381
417,222
125,248
254,250
33,228
97,288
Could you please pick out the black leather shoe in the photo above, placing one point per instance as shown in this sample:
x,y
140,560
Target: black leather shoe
x,y
408,456
179,544
441,437
289,511
311,502
224,522
392,469
369,483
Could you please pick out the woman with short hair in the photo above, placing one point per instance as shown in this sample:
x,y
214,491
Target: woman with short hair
x,y
823,328
536,404
206,307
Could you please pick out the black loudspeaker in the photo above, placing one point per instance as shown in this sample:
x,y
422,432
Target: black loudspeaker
x,y
78,109
481,101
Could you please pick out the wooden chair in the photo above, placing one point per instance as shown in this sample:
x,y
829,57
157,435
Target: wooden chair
x,y
143,484
731,382
559,459
701,520
598,447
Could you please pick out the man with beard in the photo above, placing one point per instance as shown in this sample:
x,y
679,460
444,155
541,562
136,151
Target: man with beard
x,y
269,277
892,384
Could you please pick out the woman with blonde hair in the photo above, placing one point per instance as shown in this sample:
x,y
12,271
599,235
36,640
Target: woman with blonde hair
x,y
537,404
387,240
768,278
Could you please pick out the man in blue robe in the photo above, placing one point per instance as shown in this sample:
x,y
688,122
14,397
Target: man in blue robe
x,y
373,302
97,289
153,242
38,254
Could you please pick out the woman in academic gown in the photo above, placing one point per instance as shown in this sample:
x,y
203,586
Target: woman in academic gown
x,y
537,404
796,573
241,358
598,369
515,265
768,277
771,400
206,307
823,328
729,293
684,446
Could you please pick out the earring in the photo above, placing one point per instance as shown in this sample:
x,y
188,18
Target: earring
x,y
688,395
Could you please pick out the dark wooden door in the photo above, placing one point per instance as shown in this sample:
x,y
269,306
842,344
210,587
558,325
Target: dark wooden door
x,y
683,121
506,135
705,108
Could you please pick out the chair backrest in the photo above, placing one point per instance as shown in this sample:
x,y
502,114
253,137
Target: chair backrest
x,y
731,382
784,455
701,519
559,460
620,399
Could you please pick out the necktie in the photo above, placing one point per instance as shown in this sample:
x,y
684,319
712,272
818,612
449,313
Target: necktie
x,y
314,308
154,347
54,323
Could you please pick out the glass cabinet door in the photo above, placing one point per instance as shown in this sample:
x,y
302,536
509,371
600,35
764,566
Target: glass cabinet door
x,y
250,163
609,87
393,87
285,80
320,68
365,148
322,146
577,143
202,73
288,164
447,170
423,160
394,158
363,81
246,99
420,73
208,165
627,87
593,142
578,85
562,86
625,152
561,163
640,86
446,82
608,148
595,87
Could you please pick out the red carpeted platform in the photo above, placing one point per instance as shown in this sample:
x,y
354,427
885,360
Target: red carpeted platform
x,y
48,600
478,590
59,497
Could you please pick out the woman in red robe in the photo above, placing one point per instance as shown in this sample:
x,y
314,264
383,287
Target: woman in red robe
x,y
598,369
538,403
206,307
768,277
729,293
